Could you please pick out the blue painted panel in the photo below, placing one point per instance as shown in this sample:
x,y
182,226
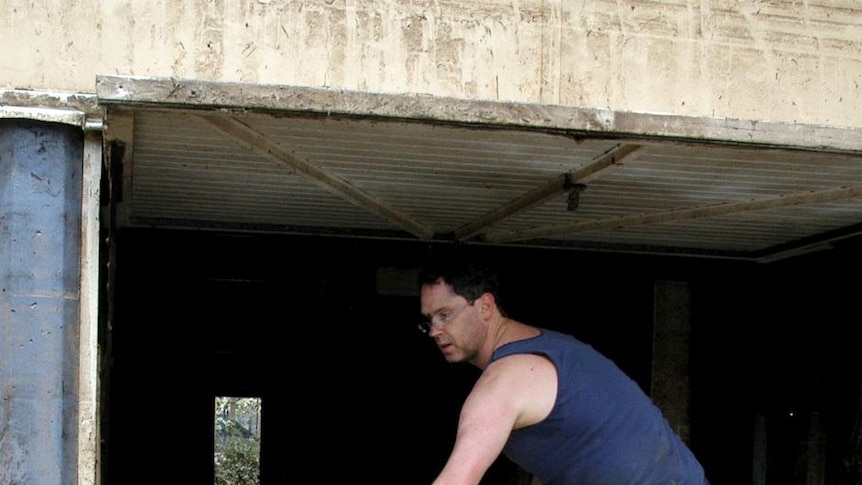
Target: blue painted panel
x,y
40,214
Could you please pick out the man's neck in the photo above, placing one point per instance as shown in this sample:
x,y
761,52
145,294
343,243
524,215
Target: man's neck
x,y
503,331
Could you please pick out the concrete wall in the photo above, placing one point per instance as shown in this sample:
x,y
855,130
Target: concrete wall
x,y
40,233
782,61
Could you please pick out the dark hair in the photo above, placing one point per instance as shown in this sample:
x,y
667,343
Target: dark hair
x,y
468,279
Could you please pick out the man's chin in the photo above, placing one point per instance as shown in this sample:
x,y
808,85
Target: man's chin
x,y
454,357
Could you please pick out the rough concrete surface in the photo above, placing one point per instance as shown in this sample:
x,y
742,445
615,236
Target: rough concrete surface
x,y
777,61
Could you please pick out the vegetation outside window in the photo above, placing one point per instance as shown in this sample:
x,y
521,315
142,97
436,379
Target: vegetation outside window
x,y
237,440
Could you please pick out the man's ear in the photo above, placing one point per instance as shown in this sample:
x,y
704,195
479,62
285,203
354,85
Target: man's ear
x,y
487,303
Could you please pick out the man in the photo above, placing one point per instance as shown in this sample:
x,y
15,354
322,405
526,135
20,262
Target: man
x,y
552,404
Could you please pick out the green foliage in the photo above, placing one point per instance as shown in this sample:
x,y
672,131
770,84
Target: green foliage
x,y
237,447
237,461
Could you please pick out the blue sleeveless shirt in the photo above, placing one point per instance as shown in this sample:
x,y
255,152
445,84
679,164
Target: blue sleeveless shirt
x,y
602,430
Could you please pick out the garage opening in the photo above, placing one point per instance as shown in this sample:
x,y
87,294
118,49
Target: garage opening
x,y
236,274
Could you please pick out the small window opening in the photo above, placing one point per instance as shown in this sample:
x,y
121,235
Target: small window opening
x,y
237,440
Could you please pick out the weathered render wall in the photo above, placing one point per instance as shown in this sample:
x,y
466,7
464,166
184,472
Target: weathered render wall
x,y
781,61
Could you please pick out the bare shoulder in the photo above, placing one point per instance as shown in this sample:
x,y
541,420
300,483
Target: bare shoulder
x,y
522,371
528,381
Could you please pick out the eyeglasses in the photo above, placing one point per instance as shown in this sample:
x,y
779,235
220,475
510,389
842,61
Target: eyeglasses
x,y
441,319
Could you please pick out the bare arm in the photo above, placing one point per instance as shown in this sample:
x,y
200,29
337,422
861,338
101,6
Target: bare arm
x,y
511,393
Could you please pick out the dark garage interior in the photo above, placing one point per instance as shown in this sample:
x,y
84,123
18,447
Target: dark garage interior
x,y
262,241
351,390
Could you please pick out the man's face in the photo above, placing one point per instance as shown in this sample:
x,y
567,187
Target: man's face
x,y
455,326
